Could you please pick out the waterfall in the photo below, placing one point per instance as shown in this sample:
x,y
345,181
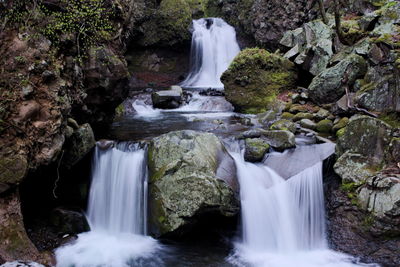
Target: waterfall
x,y
117,211
213,48
283,221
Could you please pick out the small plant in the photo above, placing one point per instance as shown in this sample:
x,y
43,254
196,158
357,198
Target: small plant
x,y
86,22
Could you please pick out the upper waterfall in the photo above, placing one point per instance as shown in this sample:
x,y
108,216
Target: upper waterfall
x,y
214,46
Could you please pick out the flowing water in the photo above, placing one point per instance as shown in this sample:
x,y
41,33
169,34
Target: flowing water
x,y
213,48
283,220
117,213
282,201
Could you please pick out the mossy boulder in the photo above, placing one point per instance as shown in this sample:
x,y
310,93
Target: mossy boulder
x,y
303,115
255,78
13,168
328,86
280,139
283,124
255,149
354,168
340,124
308,124
191,175
324,126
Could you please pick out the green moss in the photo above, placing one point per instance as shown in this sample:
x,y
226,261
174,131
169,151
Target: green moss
x,y
351,187
393,119
287,116
255,78
120,110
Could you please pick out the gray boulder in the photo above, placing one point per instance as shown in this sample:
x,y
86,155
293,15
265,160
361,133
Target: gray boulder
x,y
191,174
328,87
167,99
255,149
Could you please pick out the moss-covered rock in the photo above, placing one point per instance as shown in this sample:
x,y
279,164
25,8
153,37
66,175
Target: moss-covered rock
x,y
284,125
191,174
354,168
309,124
279,139
13,168
302,115
324,126
255,149
340,124
287,116
254,79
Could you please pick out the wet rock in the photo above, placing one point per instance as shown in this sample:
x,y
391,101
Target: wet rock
x,y
322,114
280,140
255,149
302,115
191,175
68,221
324,126
309,124
255,78
78,145
328,86
168,99
284,125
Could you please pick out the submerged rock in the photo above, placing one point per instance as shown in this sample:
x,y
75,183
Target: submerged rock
x,y
191,175
255,149
255,78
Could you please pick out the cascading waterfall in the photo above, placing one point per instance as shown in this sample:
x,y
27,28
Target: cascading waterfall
x,y
116,213
283,220
213,48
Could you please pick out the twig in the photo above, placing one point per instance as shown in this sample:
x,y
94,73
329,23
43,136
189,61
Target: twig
x,y
58,175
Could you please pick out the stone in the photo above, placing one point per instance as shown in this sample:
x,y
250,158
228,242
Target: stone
x,y
28,110
279,139
255,78
255,149
328,87
13,168
322,114
72,123
381,196
366,136
78,145
168,99
287,116
191,175
309,124
340,124
283,124
302,115
353,168
67,221
324,126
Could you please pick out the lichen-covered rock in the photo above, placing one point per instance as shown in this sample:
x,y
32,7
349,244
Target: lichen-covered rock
x,y
255,149
367,136
13,167
280,139
255,78
283,124
324,126
381,196
311,45
354,168
303,115
328,85
78,145
191,174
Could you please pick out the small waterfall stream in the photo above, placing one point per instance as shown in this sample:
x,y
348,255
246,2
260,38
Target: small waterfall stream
x,y
117,213
283,221
213,48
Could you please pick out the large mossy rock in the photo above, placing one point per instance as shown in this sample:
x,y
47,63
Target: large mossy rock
x,y
328,86
255,149
191,174
255,78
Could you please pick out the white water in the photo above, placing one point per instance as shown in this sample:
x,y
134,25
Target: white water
x,y
213,48
283,220
198,103
116,213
